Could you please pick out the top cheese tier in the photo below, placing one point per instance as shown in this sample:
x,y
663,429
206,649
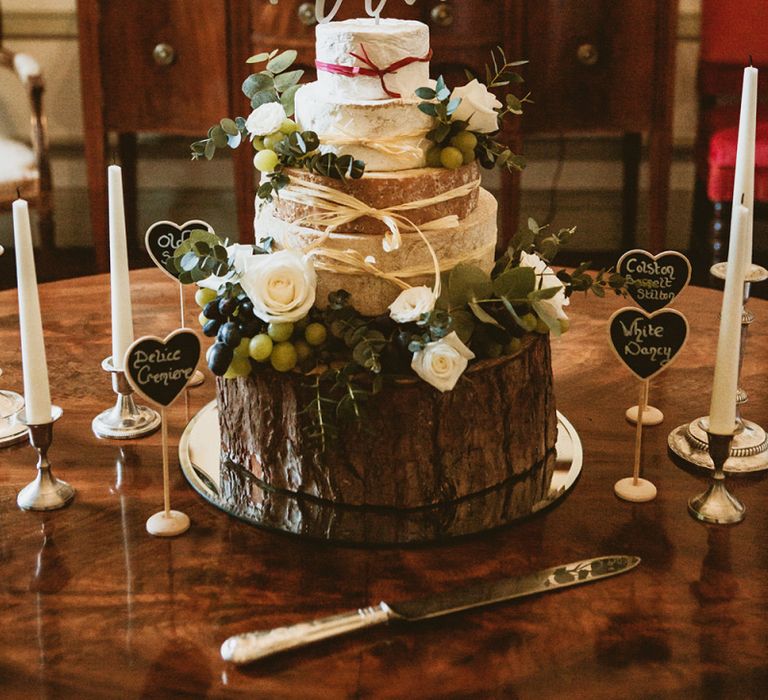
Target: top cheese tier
x,y
377,47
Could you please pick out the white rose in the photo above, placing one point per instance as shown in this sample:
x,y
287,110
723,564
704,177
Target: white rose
x,y
238,253
478,107
549,310
412,304
280,285
265,119
442,363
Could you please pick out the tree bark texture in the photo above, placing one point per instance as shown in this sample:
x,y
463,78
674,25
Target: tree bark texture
x,y
416,446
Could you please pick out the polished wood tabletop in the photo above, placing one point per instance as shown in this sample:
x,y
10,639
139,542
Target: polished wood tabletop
x,y
93,606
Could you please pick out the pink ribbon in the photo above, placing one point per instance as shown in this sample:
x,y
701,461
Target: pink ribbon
x,y
370,69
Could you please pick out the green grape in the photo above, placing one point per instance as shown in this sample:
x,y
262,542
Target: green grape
x,y
201,319
469,157
280,332
266,161
288,126
528,322
303,351
513,346
258,143
260,347
239,367
451,158
203,296
271,140
315,334
541,326
244,349
464,141
565,324
433,157
284,357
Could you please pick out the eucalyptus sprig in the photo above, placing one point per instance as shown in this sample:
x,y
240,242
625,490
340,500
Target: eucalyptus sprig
x,y
275,83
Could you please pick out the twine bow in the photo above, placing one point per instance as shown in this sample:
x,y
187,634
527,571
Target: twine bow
x,y
370,69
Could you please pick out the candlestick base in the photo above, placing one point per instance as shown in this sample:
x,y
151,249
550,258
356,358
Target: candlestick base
x,y
717,506
11,431
125,420
46,492
748,451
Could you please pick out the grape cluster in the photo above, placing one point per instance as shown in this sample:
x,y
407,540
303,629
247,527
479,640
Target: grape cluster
x,y
461,151
244,342
266,159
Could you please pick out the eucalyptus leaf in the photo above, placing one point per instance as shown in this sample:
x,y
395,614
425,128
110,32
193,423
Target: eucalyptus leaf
x,y
256,83
428,108
467,282
264,97
288,100
210,149
482,315
258,58
282,61
516,283
463,324
229,126
286,80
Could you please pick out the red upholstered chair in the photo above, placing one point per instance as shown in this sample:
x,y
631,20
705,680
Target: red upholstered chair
x,y
730,33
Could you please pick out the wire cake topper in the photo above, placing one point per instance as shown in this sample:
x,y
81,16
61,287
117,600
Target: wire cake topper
x,y
370,10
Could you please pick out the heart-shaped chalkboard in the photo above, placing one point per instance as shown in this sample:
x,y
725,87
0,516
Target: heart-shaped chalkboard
x,y
647,343
163,237
654,281
160,369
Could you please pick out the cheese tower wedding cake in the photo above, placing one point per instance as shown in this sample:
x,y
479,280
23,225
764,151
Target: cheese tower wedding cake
x,y
370,351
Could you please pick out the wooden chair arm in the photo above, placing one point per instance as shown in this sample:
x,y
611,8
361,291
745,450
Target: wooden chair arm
x,y
28,71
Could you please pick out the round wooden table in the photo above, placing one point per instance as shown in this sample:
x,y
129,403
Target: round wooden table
x,y
92,606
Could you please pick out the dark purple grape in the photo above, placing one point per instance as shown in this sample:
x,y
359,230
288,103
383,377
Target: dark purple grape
x,y
246,308
219,358
211,310
249,328
211,328
227,306
229,335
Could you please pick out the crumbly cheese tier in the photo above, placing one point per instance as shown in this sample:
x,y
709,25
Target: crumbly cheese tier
x,y
471,241
388,135
385,43
390,191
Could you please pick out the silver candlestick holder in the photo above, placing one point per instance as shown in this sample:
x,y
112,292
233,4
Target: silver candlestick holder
x,y
125,420
749,446
717,505
46,492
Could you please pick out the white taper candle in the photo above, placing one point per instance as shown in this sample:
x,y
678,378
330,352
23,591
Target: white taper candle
x,y
122,317
37,392
744,175
722,409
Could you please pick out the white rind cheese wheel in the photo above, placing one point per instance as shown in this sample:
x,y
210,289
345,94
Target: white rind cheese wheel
x,y
387,135
386,43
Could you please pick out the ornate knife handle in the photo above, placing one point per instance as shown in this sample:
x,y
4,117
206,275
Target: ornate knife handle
x,y
243,648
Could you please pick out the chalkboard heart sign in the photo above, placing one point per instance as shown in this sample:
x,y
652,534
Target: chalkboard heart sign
x,y
654,281
647,343
160,369
163,237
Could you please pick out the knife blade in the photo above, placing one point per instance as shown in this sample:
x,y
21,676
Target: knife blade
x,y
251,646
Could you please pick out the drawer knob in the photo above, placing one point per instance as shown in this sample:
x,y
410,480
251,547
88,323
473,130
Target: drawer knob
x,y
164,54
307,14
442,15
587,54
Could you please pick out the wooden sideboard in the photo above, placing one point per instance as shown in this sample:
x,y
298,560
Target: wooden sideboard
x,y
176,66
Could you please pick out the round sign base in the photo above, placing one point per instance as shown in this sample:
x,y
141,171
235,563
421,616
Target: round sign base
x,y
639,492
162,525
197,378
651,415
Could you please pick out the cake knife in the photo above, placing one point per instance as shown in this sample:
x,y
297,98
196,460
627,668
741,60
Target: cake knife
x,y
251,646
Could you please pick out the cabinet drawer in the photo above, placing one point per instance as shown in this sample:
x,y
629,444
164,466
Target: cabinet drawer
x,y
591,64
164,64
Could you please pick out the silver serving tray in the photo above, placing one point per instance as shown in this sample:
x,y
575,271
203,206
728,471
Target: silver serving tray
x,y
237,492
